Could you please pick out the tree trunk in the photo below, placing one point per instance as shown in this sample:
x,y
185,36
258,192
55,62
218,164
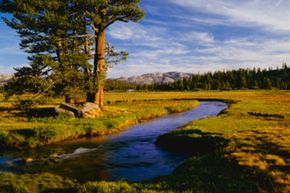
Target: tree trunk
x,y
100,70
88,74
69,99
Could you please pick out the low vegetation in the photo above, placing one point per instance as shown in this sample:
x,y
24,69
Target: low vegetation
x,y
251,137
246,149
20,130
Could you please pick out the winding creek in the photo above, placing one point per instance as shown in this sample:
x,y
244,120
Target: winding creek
x,y
130,155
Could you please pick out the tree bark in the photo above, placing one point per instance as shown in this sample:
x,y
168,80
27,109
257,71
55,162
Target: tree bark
x,y
69,99
100,70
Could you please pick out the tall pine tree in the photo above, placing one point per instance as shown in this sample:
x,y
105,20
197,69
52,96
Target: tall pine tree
x,y
59,36
100,14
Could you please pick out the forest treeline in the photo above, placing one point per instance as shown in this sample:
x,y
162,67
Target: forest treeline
x,y
221,80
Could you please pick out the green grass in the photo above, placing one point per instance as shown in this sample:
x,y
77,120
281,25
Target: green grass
x,y
20,131
260,145
234,152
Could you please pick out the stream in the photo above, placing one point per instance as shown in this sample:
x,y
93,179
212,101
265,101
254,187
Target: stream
x,y
130,155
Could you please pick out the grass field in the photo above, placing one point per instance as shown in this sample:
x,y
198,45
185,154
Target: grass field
x,y
17,130
245,149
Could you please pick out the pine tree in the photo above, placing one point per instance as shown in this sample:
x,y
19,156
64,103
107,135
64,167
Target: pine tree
x,y
59,37
49,34
236,79
100,14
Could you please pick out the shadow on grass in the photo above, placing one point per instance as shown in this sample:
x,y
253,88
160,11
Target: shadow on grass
x,y
209,168
41,112
267,151
29,113
192,142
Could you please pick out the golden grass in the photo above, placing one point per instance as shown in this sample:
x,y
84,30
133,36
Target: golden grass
x,y
267,150
259,141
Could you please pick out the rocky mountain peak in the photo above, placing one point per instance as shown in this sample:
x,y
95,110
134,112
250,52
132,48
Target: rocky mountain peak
x,y
153,78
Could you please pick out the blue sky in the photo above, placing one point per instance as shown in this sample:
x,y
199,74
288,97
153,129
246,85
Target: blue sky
x,y
190,36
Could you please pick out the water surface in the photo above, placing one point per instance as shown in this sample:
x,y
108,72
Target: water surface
x,y
130,155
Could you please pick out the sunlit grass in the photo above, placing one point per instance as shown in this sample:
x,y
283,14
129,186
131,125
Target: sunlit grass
x,y
260,143
248,153
21,131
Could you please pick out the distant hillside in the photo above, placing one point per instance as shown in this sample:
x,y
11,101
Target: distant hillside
x,y
220,80
4,79
156,78
233,79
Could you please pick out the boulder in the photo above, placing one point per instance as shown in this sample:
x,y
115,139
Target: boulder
x,y
72,108
62,112
85,110
28,160
90,110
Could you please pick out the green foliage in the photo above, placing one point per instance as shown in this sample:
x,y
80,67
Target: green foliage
x,y
58,37
24,104
3,135
115,85
231,80
57,60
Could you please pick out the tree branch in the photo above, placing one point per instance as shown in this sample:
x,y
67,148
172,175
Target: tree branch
x,y
123,19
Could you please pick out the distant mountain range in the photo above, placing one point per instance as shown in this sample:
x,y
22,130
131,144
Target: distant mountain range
x,y
154,78
151,78
4,78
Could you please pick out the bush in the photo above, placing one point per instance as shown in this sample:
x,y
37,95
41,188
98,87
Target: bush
x,y
24,104
45,133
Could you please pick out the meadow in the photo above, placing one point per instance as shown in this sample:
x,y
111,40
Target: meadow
x,y
244,149
18,129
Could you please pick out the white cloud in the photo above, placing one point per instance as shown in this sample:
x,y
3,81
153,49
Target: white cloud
x,y
121,32
127,31
186,40
194,49
272,14
219,55
200,37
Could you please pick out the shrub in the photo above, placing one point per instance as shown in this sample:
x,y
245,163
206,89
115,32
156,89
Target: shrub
x,y
45,133
24,104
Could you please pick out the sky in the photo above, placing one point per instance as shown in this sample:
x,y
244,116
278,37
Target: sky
x,y
194,36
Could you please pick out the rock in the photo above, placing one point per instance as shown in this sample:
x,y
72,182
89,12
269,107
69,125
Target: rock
x,y
4,79
90,110
54,155
152,78
67,113
85,110
71,108
28,160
